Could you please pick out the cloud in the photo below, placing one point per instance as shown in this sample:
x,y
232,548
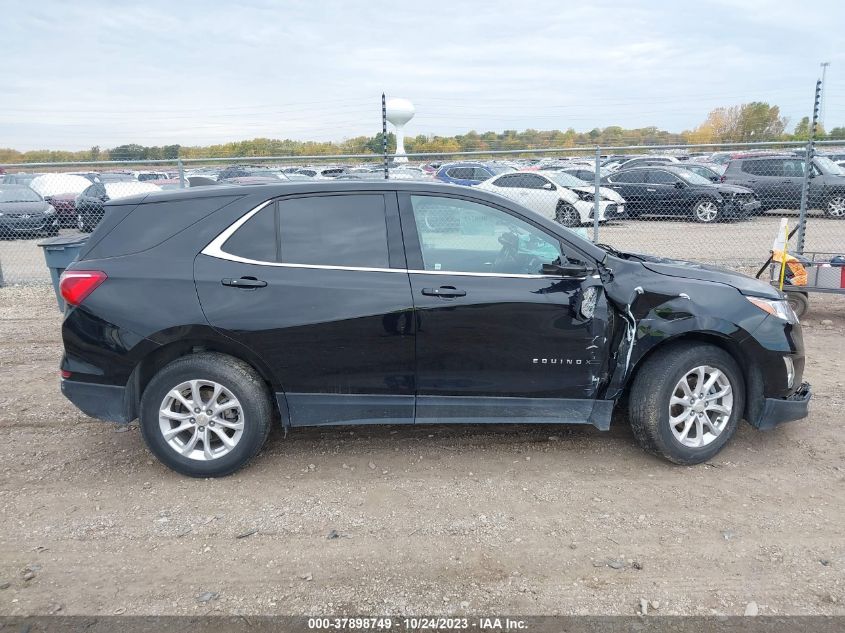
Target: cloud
x,y
94,72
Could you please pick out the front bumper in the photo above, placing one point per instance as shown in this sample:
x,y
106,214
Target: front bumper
x,y
104,402
779,410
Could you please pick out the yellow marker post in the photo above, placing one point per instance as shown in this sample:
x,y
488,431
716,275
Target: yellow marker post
x,y
783,254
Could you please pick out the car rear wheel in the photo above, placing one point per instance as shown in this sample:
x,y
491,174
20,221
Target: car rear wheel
x,y
835,207
686,402
205,415
567,215
706,211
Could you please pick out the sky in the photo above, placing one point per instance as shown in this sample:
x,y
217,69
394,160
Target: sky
x,y
96,72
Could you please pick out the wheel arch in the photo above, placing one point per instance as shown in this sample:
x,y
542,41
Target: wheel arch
x,y
751,374
161,356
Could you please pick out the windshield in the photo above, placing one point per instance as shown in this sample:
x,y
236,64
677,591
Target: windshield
x,y
564,179
693,178
19,194
828,166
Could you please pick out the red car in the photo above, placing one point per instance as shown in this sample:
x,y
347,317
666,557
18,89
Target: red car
x,y
65,206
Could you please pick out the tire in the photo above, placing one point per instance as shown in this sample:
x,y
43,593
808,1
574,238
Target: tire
x,y
656,383
567,215
253,414
706,211
799,302
81,225
835,206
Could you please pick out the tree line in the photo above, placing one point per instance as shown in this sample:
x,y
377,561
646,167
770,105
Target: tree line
x,y
756,121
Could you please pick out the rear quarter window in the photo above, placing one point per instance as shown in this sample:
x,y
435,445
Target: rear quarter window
x,y
128,229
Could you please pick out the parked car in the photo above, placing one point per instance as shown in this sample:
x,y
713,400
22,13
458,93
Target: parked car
x,y
557,196
24,213
335,303
703,170
322,172
90,208
587,174
647,161
65,206
18,179
676,191
777,181
244,171
48,185
143,176
470,174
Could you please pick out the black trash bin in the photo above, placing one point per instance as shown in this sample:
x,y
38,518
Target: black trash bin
x,y
59,252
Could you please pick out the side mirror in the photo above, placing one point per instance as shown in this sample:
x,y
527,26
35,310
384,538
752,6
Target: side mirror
x,y
679,184
715,179
548,187
578,270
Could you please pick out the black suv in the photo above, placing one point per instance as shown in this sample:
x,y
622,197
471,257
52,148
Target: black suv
x,y
777,181
678,191
209,313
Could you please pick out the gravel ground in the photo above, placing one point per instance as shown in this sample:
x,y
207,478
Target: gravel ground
x,y
428,519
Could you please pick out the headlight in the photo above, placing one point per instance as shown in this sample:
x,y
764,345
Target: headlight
x,y
585,195
780,309
790,372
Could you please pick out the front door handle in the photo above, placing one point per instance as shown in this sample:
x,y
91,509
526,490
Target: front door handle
x,y
651,190
244,282
446,292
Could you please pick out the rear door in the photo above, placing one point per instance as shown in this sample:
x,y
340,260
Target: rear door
x,y
497,340
632,187
662,195
317,286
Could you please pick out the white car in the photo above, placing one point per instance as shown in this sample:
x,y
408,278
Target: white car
x,y
49,185
557,195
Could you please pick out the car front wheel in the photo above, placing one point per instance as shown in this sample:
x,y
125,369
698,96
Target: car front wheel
x,y
567,215
205,415
686,402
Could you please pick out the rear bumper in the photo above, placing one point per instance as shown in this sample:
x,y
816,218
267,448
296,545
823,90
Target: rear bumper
x,y
104,402
779,410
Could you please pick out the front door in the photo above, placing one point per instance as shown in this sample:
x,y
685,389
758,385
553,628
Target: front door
x,y
496,339
317,287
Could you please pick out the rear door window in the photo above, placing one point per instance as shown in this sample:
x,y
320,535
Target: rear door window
x,y
345,230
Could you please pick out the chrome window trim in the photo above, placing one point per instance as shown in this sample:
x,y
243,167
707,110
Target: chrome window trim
x,y
215,249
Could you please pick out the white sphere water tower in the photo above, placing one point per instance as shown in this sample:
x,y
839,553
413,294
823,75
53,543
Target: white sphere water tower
x,y
399,112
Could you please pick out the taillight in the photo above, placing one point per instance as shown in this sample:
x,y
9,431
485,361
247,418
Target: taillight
x,y
65,373
76,285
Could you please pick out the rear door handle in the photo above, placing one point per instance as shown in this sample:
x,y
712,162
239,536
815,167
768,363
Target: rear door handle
x,y
244,282
651,190
444,291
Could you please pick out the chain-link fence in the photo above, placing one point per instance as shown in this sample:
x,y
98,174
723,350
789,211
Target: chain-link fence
x,y
718,204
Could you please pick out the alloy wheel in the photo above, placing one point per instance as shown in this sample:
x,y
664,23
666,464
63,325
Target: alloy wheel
x,y
201,419
706,211
701,406
836,207
80,223
567,216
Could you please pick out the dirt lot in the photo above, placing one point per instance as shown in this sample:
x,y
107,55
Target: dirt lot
x,y
528,520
